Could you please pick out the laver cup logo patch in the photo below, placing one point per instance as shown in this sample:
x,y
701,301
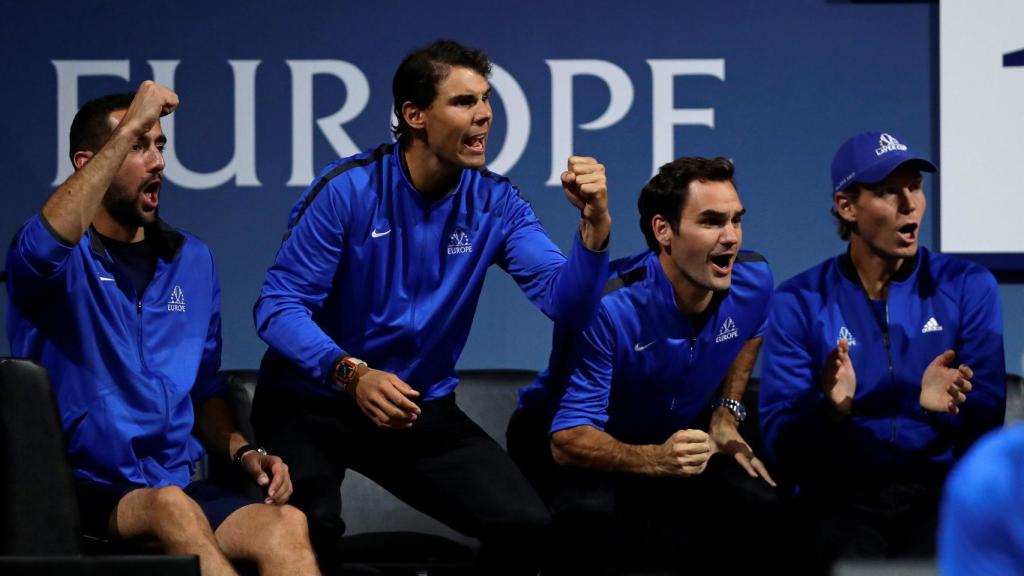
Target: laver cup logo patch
x,y
459,243
727,331
888,143
177,301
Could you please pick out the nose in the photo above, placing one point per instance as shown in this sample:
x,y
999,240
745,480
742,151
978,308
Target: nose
x,y
483,113
907,200
730,234
156,160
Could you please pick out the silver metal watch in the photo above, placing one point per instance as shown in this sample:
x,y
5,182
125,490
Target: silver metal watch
x,y
735,406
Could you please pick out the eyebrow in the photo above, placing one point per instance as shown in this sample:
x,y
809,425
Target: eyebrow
x,y
470,94
709,213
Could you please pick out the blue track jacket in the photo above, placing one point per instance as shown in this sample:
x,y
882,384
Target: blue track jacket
x,y
127,369
936,303
640,371
542,396
369,269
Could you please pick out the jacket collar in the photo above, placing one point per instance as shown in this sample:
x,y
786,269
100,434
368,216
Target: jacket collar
x,y
847,268
667,297
167,240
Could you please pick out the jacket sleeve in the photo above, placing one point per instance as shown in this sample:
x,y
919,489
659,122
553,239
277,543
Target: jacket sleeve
x,y
567,291
209,382
790,399
980,346
37,258
297,284
585,402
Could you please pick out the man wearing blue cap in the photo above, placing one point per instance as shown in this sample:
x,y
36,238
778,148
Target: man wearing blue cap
x,y
882,365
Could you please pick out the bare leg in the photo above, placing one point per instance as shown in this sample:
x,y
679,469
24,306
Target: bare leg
x,y
174,522
276,538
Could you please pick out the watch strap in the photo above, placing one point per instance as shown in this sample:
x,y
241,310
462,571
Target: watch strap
x,y
245,449
735,406
346,371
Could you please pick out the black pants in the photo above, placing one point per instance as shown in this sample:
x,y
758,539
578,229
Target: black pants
x,y
529,445
894,520
721,521
445,465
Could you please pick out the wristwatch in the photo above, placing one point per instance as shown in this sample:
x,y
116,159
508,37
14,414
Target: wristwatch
x,y
345,372
237,458
735,406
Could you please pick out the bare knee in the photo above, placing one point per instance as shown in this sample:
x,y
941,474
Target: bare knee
x,y
166,515
175,515
275,537
287,524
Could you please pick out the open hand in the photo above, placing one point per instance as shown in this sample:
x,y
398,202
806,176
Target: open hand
x,y
838,379
944,388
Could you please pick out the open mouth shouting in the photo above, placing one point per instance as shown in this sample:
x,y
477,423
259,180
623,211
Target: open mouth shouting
x,y
151,195
908,232
721,264
476,144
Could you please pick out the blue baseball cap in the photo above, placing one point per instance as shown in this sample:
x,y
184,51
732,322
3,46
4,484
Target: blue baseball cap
x,y
869,157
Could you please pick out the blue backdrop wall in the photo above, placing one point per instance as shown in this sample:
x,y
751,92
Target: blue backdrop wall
x,y
272,91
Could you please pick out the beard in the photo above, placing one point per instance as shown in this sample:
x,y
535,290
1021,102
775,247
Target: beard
x,y
124,208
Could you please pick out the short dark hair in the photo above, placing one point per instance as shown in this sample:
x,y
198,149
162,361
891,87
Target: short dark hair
x,y
423,70
666,193
90,128
844,227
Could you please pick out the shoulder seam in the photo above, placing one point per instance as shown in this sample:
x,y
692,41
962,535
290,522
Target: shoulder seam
x,y
326,178
496,177
629,278
750,257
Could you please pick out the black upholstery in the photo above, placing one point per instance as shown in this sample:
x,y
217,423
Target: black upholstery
x,y
100,566
38,512
39,527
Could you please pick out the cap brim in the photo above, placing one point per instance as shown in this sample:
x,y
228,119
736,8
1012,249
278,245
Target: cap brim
x,y
880,170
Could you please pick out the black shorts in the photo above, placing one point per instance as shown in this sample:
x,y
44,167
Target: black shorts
x,y
97,501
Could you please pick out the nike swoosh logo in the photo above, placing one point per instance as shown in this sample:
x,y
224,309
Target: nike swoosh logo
x,y
639,348
376,234
105,279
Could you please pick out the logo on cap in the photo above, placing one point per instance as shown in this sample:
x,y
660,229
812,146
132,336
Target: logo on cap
x,y
889,143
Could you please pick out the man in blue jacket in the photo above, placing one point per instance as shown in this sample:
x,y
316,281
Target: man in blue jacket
x,y
882,365
638,402
370,301
124,313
